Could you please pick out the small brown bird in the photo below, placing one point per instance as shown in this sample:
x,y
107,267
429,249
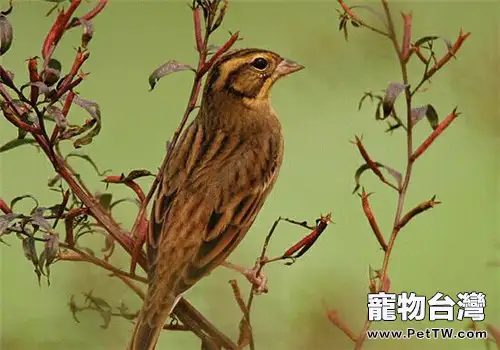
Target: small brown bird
x,y
221,171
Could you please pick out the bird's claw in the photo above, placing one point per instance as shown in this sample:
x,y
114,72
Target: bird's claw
x,y
257,278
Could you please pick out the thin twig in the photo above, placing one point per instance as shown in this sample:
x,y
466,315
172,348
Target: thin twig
x,y
76,254
358,20
246,333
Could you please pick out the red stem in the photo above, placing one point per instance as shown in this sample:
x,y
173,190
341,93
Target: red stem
x,y
197,30
367,158
95,209
69,87
58,28
417,210
4,207
451,53
81,57
407,23
89,15
365,203
67,105
120,179
438,131
227,45
12,118
34,77
68,223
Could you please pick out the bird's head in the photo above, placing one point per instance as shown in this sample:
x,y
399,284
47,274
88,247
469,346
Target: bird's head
x,y
248,73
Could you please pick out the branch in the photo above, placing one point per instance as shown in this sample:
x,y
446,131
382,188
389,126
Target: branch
x,y
403,52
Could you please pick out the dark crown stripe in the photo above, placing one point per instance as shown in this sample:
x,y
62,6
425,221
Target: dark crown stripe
x,y
238,54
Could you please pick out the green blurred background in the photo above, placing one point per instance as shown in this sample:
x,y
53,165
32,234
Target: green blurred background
x,y
452,248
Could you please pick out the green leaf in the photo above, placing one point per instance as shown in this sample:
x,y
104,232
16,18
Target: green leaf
x,y
377,111
30,254
93,126
57,114
359,172
392,127
51,247
49,253
342,23
418,113
54,180
37,219
23,197
43,89
391,94
425,39
429,112
97,301
220,17
394,173
16,143
135,174
105,200
41,264
431,38
21,133
167,68
87,158
122,200
74,309
369,95
432,117
106,317
5,221
125,313
30,249
52,73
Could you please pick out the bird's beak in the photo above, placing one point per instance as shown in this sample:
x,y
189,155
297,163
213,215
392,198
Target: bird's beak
x,y
287,67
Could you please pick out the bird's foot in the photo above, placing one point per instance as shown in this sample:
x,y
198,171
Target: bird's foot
x,y
254,275
257,278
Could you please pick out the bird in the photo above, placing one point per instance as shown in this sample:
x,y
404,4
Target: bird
x,y
220,173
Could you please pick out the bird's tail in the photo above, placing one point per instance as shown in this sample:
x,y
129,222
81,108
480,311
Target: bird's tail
x,y
150,323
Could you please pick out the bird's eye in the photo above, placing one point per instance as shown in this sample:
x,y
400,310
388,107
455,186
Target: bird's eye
x,y
260,63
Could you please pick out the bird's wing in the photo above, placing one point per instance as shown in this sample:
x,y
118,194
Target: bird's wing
x,y
207,202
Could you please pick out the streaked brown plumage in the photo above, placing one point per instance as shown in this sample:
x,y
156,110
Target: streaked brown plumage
x,y
221,171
